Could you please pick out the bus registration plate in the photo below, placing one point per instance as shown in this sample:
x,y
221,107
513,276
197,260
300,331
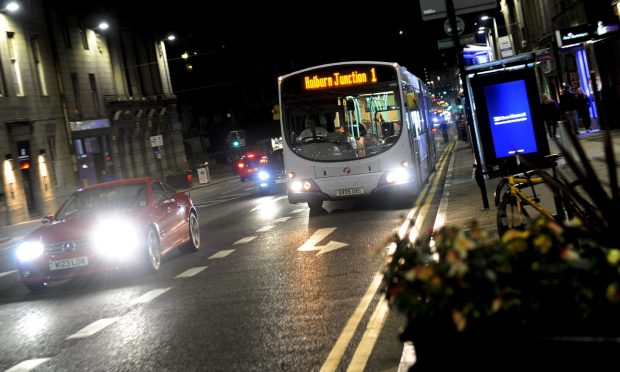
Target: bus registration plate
x,y
352,191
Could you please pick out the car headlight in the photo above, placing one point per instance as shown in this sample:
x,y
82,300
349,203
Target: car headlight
x,y
396,176
297,186
263,176
115,238
28,251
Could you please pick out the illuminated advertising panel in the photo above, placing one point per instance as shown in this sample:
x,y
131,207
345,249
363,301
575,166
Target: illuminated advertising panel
x,y
510,117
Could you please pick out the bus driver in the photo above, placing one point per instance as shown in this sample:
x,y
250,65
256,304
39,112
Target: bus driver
x,y
312,132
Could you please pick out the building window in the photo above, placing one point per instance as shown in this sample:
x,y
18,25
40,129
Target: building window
x,y
17,76
76,94
38,64
84,35
94,94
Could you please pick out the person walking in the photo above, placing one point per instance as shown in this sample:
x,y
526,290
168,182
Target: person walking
x,y
568,107
551,114
583,109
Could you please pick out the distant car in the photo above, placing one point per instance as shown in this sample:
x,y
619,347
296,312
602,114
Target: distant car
x,y
131,222
249,165
272,174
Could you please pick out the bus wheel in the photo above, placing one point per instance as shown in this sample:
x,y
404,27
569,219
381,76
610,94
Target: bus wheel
x,y
317,204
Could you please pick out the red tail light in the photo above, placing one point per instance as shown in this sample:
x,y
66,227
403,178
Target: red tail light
x,y
240,165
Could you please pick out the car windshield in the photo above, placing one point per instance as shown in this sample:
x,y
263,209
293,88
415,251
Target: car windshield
x,y
104,199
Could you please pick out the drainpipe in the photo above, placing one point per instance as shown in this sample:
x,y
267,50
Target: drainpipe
x,y
61,89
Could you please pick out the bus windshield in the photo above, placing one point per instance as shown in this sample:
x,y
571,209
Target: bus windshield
x,y
341,113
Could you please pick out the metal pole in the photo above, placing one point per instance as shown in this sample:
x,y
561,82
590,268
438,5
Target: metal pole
x,y
497,50
461,64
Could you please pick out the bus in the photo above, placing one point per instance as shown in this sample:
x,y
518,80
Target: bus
x,y
355,129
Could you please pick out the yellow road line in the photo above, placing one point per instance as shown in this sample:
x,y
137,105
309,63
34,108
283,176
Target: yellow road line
x,y
377,320
339,348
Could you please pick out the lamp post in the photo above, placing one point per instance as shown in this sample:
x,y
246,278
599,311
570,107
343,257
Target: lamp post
x,y
496,50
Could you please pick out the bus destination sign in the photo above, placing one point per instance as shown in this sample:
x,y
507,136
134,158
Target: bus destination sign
x,y
339,79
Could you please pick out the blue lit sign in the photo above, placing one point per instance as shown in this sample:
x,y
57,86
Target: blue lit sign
x,y
510,118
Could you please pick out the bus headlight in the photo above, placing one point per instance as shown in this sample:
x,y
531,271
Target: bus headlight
x,y
296,186
28,251
396,176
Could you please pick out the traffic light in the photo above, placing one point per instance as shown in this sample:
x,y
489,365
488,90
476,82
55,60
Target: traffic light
x,y
235,144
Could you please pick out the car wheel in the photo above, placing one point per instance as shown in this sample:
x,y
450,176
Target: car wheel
x,y
36,286
194,235
153,251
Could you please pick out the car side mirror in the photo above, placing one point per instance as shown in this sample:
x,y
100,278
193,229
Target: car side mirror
x,y
47,219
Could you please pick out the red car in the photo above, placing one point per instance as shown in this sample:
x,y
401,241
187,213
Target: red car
x,y
249,165
104,226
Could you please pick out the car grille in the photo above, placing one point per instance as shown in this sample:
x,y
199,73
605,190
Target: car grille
x,y
68,246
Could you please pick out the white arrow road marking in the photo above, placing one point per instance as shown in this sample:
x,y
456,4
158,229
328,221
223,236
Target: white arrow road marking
x,y
27,365
151,295
244,240
94,327
7,273
282,219
298,210
191,272
320,234
222,254
266,228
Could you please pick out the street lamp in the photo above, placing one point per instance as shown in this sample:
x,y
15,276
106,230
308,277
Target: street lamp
x,y
103,26
12,6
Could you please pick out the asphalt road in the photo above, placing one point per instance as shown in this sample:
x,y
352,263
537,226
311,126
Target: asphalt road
x,y
274,287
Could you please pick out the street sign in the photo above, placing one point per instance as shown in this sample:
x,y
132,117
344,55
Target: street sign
x,y
505,46
460,26
435,9
203,175
157,141
447,43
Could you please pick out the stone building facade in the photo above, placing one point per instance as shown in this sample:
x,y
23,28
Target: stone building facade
x,y
79,106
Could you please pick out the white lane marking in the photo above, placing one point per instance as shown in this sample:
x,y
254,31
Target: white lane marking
x,y
320,234
7,273
244,240
369,339
151,295
266,228
298,210
27,365
191,272
408,358
280,198
282,219
222,254
94,327
251,188
337,352
226,192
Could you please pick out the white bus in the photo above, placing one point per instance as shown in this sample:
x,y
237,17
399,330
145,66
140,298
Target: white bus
x,y
355,129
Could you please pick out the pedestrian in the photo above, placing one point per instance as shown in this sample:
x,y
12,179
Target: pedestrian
x,y
551,114
444,129
568,107
583,109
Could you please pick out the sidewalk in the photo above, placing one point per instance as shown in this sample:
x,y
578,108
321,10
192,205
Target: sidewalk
x,y
463,196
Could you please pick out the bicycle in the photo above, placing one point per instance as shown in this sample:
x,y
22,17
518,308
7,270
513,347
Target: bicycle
x,y
513,202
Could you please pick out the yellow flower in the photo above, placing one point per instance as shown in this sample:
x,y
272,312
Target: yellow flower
x,y
513,234
543,243
612,292
613,256
463,243
435,282
496,304
569,255
425,273
460,321
410,275
516,245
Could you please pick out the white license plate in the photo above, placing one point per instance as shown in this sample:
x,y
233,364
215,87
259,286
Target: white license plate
x,y
69,262
280,180
352,191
